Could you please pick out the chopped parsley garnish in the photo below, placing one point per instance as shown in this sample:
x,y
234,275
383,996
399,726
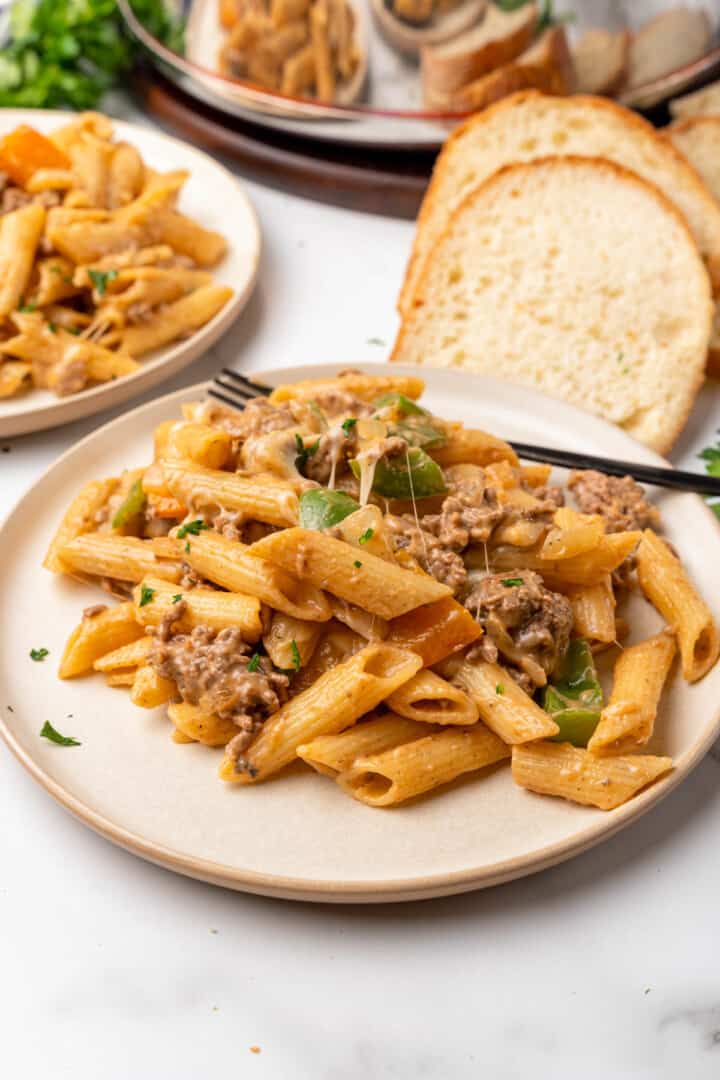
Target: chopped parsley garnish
x,y
194,528
499,689
375,341
348,425
146,595
295,652
511,582
74,330
67,278
39,654
49,732
52,327
177,598
101,279
357,563
187,548
254,662
367,535
304,452
27,309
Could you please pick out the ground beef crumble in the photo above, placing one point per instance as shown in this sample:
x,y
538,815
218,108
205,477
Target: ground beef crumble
x,y
436,559
210,669
619,499
526,624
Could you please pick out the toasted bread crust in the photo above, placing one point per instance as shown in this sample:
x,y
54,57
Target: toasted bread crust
x,y
685,401
601,107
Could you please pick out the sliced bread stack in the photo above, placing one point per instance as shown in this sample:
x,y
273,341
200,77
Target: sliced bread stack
x,y
562,244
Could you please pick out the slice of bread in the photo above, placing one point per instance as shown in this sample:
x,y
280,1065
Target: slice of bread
x,y
669,41
578,278
547,65
531,125
698,138
499,38
600,58
705,102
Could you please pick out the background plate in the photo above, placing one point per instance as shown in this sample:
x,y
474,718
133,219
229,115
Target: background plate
x,y
209,191
298,836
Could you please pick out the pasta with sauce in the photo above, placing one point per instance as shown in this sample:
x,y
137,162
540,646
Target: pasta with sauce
x,y
323,577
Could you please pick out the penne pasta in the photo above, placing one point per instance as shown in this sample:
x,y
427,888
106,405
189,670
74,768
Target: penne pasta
x,y
133,655
15,377
179,319
96,636
20,233
186,237
504,707
80,517
628,719
290,642
583,569
573,534
334,702
366,387
429,698
593,609
376,585
259,498
333,754
477,447
669,589
234,566
155,598
200,444
570,773
393,776
122,558
196,726
150,689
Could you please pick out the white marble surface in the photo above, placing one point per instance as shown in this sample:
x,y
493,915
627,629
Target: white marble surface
x,y
607,966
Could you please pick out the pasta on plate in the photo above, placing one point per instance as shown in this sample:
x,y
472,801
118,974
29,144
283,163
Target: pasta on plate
x,y
337,576
98,267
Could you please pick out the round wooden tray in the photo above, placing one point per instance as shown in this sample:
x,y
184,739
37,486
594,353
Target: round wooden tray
x,y
377,181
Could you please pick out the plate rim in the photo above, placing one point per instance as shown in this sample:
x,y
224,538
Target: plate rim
x,y
427,886
151,372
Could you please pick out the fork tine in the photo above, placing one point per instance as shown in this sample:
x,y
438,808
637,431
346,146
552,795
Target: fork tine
x,y
242,382
238,403
235,391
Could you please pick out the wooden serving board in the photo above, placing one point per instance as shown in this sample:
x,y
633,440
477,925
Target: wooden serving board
x,y
389,182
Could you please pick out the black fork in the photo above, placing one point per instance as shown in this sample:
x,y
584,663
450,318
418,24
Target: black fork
x,y
236,390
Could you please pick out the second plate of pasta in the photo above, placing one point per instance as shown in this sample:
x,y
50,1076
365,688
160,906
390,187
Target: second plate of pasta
x,y
120,263
338,699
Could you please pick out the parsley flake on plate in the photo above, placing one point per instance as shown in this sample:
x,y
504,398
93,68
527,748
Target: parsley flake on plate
x,y
49,732
39,654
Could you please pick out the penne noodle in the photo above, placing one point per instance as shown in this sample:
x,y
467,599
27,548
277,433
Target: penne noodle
x,y
15,377
628,720
593,609
150,689
155,598
260,498
334,702
122,558
427,697
200,444
333,754
573,534
127,656
120,678
583,569
375,585
79,518
366,387
434,631
290,642
570,773
336,644
186,237
669,589
20,233
504,707
96,636
196,726
465,445
234,566
391,777
179,319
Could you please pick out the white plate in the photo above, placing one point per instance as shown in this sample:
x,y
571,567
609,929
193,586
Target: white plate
x,y
298,836
216,200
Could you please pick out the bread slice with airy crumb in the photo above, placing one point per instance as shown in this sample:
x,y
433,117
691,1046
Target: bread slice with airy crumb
x,y
698,138
600,57
574,276
671,40
705,102
530,125
498,39
547,65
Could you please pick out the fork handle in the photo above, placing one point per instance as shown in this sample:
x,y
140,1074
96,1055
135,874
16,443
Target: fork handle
x,y
646,474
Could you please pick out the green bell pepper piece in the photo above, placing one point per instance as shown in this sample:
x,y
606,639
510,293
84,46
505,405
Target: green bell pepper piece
x,y
400,403
574,700
417,432
132,505
393,479
321,508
